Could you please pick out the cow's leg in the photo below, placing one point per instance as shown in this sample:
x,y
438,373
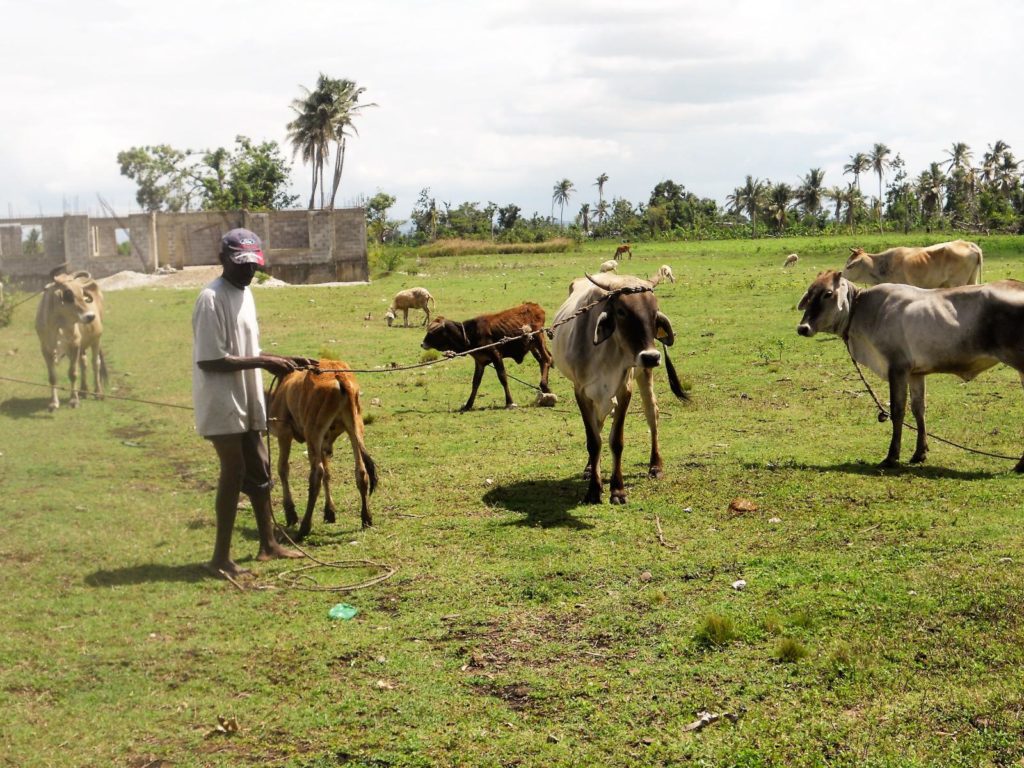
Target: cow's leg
x,y
499,368
74,355
426,315
405,317
50,356
83,373
478,374
1020,464
540,353
898,406
315,444
646,376
284,449
593,468
617,441
917,408
361,471
330,511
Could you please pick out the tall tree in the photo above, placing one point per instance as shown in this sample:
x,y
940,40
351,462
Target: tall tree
x,y
584,218
779,197
345,95
959,156
601,209
880,162
561,194
750,200
810,192
859,163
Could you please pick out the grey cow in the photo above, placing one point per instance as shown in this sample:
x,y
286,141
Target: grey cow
x,y
904,333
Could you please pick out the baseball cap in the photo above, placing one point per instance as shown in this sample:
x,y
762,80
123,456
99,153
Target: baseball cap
x,y
242,247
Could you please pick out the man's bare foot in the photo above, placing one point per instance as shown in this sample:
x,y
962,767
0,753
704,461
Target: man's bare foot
x,y
225,569
275,551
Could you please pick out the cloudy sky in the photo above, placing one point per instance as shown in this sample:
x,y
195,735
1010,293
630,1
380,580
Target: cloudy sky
x,y
497,101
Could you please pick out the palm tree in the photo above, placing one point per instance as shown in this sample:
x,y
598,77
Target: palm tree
x,y
345,95
778,198
929,185
838,196
749,199
560,195
859,163
601,181
584,218
959,156
879,162
311,132
810,192
601,212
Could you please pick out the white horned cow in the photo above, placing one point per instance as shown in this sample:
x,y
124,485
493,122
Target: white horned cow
x,y
69,323
943,265
599,351
411,298
903,333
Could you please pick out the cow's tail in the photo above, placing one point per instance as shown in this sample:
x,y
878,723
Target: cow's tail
x,y
673,377
976,274
356,434
371,468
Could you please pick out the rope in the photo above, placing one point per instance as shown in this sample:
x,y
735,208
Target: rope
x,y
105,396
884,415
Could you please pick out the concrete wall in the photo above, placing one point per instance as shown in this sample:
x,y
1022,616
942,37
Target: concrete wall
x,y
301,246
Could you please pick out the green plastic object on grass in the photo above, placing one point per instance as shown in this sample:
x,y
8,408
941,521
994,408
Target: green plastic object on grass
x,y
343,611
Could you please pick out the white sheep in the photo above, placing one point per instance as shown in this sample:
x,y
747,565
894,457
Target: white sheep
x,y
791,260
664,273
610,266
412,298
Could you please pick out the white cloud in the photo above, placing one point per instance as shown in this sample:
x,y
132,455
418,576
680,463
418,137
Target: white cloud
x,y
498,102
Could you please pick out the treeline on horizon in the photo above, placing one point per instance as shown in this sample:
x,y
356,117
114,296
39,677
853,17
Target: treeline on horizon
x,y
953,193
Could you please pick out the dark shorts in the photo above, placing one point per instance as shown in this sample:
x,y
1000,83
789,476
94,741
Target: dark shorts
x,y
256,476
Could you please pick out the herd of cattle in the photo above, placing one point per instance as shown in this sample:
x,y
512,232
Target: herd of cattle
x,y
925,312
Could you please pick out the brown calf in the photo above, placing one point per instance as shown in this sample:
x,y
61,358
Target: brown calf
x,y
623,249
314,408
452,336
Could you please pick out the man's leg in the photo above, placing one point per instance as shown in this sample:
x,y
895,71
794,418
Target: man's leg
x,y
229,486
256,484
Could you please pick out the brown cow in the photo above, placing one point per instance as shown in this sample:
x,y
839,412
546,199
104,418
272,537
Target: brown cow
x,y
452,336
624,249
944,265
69,321
314,407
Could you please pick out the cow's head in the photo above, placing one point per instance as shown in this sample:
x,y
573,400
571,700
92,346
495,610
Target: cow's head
x,y
75,297
445,335
859,266
826,305
634,321
389,316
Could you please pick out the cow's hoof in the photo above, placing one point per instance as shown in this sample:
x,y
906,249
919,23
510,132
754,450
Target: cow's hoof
x,y
302,533
510,406
72,403
592,497
917,458
52,407
655,473
367,523
329,515
1019,467
588,472
888,463
618,497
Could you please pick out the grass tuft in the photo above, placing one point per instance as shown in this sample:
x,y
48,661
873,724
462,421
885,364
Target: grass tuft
x,y
716,631
790,650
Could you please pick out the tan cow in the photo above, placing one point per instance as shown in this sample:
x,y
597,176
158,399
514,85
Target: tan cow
x,y
664,273
944,265
412,298
315,408
69,322
790,260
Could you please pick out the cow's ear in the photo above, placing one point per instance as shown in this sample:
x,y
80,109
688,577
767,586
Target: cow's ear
x,y
605,327
803,302
663,327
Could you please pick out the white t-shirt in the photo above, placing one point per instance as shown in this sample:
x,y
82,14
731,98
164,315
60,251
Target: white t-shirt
x,y
224,323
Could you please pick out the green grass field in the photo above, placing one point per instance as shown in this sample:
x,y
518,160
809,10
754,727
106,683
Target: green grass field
x,y
881,623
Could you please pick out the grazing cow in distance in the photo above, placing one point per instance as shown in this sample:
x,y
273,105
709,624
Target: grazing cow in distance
x,y
315,407
412,298
452,336
69,322
624,249
903,333
599,352
664,273
790,260
609,266
944,265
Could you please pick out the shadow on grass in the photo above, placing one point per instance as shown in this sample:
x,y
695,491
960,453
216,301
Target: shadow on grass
x,y
147,573
25,407
544,503
917,470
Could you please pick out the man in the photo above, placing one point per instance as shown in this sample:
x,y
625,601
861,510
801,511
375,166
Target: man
x,y
227,392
